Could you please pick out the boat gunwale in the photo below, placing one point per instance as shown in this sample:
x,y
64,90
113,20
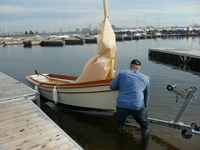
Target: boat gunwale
x,y
79,92
105,82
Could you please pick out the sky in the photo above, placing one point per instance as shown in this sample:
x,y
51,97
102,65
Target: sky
x,y
68,15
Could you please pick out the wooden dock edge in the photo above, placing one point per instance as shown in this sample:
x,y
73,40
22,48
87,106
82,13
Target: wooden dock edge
x,y
23,125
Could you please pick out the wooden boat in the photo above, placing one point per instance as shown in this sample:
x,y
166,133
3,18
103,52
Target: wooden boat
x,y
91,88
64,90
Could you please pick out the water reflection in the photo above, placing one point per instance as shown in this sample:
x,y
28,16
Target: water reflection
x,y
193,65
95,132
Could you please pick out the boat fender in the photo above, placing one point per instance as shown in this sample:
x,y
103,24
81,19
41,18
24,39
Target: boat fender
x,y
36,88
55,95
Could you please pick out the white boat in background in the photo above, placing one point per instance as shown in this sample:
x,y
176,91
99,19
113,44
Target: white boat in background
x,y
157,33
59,37
91,89
7,38
137,34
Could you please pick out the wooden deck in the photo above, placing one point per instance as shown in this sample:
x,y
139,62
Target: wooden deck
x,y
11,88
23,125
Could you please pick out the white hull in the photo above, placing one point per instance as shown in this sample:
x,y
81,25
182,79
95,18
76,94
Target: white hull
x,y
97,98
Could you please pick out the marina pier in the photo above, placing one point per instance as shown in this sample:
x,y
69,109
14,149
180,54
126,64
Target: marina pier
x,y
80,40
23,125
187,59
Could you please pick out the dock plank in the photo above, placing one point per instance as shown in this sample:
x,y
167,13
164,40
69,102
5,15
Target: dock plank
x,y
24,127
16,112
9,131
63,147
21,119
11,88
14,105
25,130
32,140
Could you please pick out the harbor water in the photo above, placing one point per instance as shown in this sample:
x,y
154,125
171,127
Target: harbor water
x,y
95,132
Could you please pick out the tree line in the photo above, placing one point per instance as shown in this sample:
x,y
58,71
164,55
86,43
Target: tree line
x,y
30,32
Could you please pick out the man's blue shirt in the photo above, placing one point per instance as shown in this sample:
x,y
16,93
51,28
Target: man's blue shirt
x,y
133,89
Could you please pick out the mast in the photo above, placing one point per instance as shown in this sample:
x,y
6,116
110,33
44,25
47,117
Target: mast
x,y
105,8
6,27
60,26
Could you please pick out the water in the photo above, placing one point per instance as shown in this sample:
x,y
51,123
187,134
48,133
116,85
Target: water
x,y
98,132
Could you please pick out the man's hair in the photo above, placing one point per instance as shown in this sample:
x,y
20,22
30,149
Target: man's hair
x,y
135,62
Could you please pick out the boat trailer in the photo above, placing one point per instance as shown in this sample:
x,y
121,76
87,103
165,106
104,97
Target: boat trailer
x,y
187,130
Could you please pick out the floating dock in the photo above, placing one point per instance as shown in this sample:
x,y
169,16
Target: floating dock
x,y
74,41
188,59
89,40
49,41
23,125
53,43
31,43
16,42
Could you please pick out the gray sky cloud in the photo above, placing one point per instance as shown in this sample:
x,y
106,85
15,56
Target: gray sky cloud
x,y
44,15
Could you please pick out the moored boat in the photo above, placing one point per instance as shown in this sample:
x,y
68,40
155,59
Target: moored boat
x,y
64,89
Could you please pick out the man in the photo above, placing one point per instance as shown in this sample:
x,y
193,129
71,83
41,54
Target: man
x,y
133,97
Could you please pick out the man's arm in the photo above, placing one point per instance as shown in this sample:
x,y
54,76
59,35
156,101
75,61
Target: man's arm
x,y
114,85
146,95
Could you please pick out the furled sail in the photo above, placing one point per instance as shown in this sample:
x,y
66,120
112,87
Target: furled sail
x,y
101,65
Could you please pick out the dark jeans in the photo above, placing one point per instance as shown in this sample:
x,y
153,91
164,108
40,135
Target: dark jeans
x,y
139,115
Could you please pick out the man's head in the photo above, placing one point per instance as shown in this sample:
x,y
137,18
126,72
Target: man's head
x,y
135,64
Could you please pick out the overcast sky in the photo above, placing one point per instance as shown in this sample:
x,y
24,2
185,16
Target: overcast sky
x,y
52,15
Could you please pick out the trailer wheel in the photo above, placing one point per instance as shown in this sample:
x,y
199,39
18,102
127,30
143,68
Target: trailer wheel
x,y
169,87
183,132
